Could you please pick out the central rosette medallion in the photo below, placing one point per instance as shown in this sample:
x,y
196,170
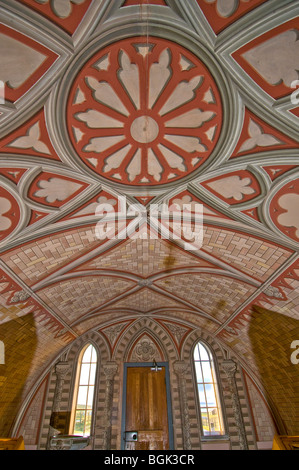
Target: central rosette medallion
x,y
144,129
144,112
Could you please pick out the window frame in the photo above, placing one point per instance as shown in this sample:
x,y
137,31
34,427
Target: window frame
x,y
76,387
219,396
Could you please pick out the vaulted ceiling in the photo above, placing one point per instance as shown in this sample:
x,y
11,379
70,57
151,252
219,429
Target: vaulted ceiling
x,y
147,102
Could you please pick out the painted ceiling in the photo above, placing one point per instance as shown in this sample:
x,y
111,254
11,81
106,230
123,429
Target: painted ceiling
x,y
149,102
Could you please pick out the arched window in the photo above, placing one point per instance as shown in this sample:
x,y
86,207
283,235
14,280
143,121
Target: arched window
x,y
84,392
207,389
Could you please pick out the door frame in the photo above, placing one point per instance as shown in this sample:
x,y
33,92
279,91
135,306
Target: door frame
x,y
168,399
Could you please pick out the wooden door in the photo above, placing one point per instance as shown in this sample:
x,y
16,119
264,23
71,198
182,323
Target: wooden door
x,y
146,408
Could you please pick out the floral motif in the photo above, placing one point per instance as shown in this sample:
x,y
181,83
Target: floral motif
x,y
226,8
144,113
61,8
290,218
92,207
233,187
284,210
19,296
56,189
9,213
275,292
178,203
31,141
258,138
5,206
145,351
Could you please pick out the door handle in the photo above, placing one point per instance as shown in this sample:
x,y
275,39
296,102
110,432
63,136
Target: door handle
x,y
131,436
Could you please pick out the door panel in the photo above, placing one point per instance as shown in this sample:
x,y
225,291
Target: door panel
x,y
146,408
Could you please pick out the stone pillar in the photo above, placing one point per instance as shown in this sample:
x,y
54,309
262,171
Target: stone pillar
x,y
230,368
180,370
61,370
110,369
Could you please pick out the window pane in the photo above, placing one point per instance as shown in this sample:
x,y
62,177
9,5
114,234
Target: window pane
x,y
196,353
79,422
210,394
88,423
214,422
198,372
203,353
90,397
87,355
82,397
92,376
93,355
205,421
207,374
201,394
84,376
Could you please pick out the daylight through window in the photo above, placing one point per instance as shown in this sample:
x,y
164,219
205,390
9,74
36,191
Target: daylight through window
x,y
207,389
85,392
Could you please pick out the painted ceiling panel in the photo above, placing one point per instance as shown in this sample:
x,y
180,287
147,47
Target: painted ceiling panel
x,y
24,61
36,260
222,13
145,258
75,297
272,59
66,14
225,296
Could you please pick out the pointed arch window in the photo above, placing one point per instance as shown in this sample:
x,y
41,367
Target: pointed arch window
x,y
84,392
208,393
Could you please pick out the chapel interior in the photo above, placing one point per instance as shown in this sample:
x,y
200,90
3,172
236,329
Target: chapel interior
x,y
149,225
